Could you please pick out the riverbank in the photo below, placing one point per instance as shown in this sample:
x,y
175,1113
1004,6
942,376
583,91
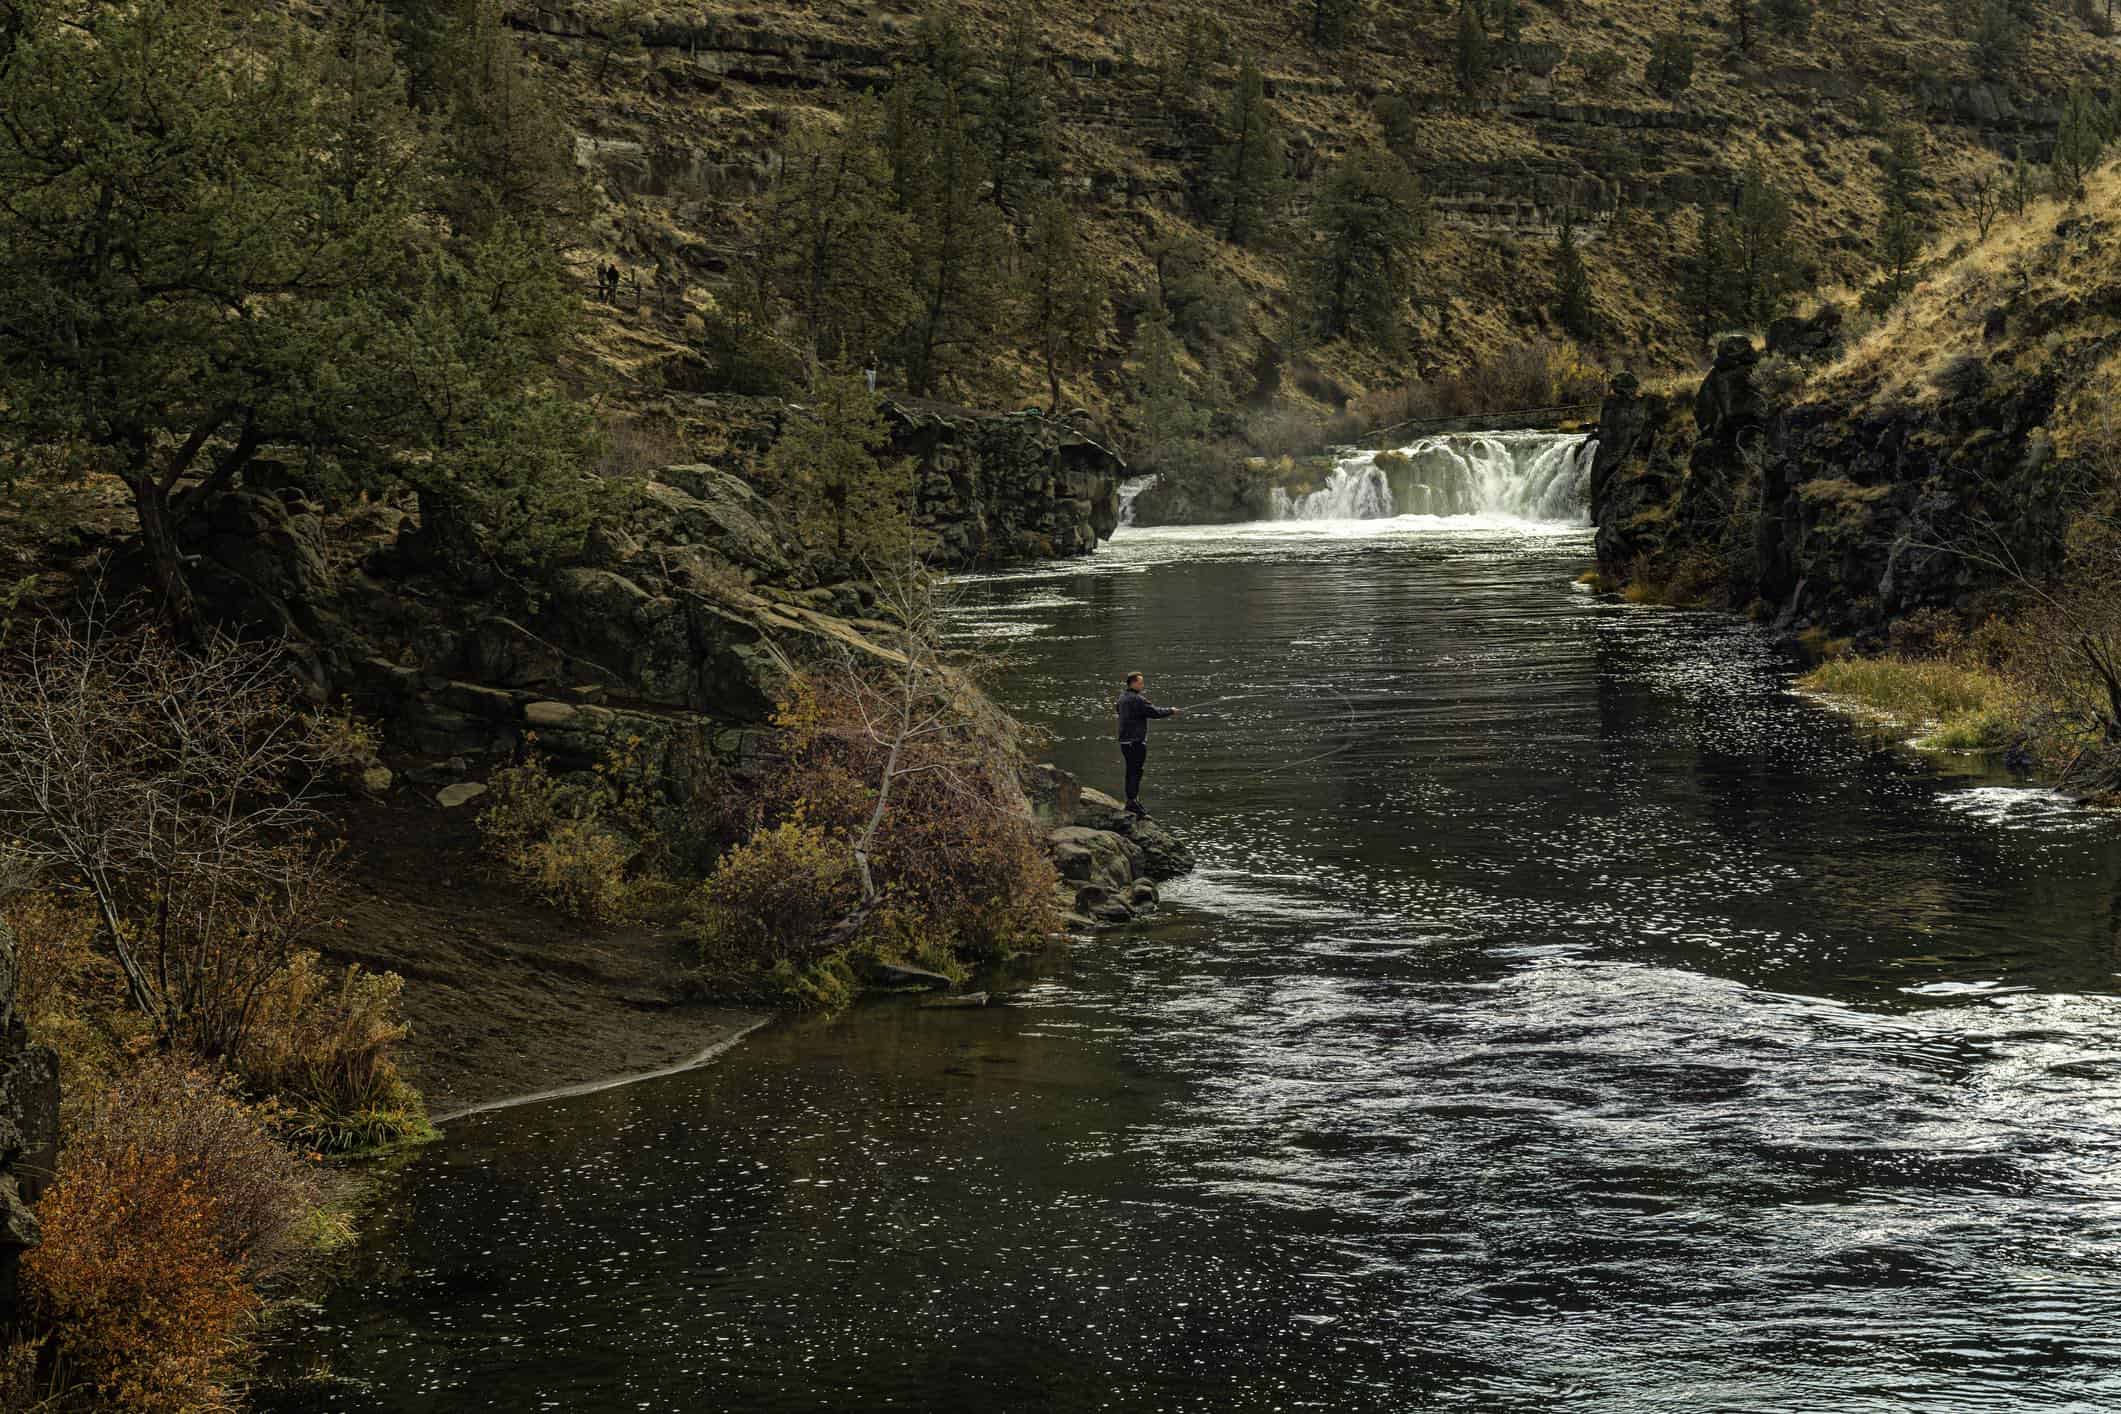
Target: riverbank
x,y
507,996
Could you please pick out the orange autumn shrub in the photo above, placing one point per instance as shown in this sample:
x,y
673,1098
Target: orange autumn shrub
x,y
171,1204
141,1304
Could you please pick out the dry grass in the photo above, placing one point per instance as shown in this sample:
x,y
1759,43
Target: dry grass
x,y
2050,269
1801,106
1945,705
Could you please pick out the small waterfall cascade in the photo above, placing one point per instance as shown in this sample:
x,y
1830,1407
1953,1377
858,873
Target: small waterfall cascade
x,y
1130,488
1535,476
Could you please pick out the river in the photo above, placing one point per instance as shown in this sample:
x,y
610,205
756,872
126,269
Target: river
x,y
1565,1015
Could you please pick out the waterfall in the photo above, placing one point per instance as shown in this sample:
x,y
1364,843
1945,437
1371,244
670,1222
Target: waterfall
x,y
1130,488
1536,476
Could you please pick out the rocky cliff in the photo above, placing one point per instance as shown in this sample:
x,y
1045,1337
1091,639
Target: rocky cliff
x,y
1941,460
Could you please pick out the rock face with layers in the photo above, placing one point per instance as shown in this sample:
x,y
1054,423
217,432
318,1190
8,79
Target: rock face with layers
x,y
1841,517
1000,488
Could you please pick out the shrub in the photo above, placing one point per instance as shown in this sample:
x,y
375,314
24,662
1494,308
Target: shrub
x,y
572,842
321,1050
955,848
773,897
170,785
1670,71
171,1203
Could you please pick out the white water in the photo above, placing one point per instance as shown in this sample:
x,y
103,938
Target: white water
x,y
1130,488
1527,476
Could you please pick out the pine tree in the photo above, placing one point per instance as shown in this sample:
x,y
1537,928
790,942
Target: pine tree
x,y
213,267
1329,22
1509,20
1474,58
1064,295
826,470
1789,19
509,149
1710,298
1900,234
1170,414
1249,178
960,258
835,247
1763,260
1999,40
1371,218
1572,282
1017,129
2079,140
1742,24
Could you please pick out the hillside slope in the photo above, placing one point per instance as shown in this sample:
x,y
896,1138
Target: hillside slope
x,y
681,111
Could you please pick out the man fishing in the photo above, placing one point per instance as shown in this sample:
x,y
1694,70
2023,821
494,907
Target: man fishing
x,y
1135,710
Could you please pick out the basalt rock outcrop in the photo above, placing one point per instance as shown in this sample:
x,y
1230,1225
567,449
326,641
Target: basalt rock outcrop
x,y
1000,488
1109,862
1829,516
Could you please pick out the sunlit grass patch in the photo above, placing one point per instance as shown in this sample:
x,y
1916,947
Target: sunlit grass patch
x,y
1953,706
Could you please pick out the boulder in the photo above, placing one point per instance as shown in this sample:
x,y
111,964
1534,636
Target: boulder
x,y
462,793
1054,794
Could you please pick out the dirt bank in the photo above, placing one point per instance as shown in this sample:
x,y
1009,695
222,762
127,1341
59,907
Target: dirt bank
x,y
505,996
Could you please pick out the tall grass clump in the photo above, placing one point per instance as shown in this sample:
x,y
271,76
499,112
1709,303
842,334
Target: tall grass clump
x,y
322,1049
1953,705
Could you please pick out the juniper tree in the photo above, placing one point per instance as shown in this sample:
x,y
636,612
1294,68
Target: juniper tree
x,y
1064,295
1572,282
207,257
1371,217
2079,140
835,248
1671,68
1248,171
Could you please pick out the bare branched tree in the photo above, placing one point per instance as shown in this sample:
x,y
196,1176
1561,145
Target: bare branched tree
x,y
2072,621
904,714
173,788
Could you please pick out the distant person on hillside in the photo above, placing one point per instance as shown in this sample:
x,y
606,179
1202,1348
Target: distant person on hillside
x,y
1135,710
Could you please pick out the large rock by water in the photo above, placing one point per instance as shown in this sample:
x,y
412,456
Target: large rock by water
x,y
1109,862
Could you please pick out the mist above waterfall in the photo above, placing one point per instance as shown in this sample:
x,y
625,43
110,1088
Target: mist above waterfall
x,y
1533,476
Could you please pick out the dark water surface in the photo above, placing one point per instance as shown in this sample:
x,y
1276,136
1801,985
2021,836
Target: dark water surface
x,y
1565,1017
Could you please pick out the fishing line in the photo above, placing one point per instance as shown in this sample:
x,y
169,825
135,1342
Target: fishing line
x,y
1347,702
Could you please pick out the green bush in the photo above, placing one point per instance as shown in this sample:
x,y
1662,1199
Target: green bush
x,y
772,897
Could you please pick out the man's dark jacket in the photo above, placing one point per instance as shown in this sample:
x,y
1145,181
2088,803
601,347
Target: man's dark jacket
x,y
1135,710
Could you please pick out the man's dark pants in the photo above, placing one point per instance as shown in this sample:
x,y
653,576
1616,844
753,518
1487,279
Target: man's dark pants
x,y
1137,755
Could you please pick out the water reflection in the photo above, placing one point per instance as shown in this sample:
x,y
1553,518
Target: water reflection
x,y
1564,1017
